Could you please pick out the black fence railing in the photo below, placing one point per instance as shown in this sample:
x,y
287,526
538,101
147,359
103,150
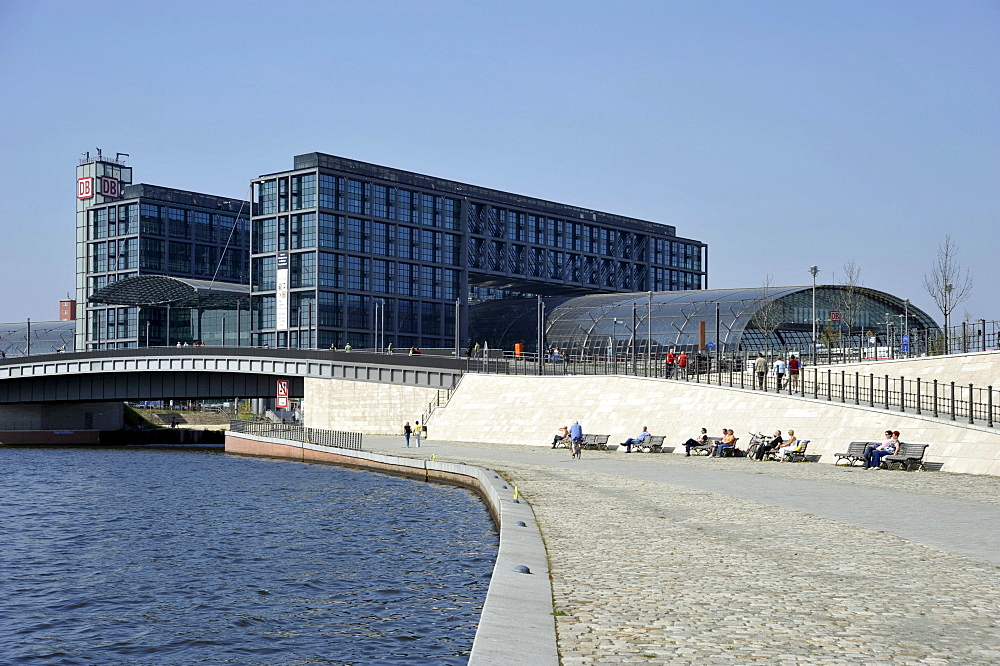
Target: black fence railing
x,y
950,400
332,438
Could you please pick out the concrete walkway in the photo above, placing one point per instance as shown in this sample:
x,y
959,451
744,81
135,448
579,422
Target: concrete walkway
x,y
668,559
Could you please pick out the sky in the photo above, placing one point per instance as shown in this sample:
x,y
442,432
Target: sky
x,y
784,134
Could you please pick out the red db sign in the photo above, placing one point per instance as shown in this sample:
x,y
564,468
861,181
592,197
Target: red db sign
x,y
282,398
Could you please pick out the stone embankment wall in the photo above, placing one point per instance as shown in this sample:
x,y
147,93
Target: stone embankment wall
x,y
527,410
369,407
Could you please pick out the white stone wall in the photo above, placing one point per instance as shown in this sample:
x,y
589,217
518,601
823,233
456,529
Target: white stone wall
x,y
527,410
369,407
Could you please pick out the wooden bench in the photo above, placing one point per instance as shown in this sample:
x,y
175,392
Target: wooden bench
x,y
910,456
652,445
855,453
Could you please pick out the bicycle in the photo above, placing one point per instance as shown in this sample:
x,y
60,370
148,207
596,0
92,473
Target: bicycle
x,y
757,440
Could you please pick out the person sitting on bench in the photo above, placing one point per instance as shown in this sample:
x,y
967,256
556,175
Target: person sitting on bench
x,y
728,442
790,445
770,446
637,441
700,440
561,434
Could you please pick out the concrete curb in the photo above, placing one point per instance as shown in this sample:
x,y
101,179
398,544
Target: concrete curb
x,y
516,624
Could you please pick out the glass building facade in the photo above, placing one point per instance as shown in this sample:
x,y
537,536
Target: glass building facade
x,y
126,230
350,252
730,320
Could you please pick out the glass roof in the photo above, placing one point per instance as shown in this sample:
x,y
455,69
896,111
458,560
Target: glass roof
x,y
734,319
162,290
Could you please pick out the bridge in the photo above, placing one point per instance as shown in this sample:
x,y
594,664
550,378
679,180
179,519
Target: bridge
x,y
206,373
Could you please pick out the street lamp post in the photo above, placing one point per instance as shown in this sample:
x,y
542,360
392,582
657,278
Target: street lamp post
x,y
814,270
649,330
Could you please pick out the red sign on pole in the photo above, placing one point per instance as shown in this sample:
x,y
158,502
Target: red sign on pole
x,y
282,399
834,315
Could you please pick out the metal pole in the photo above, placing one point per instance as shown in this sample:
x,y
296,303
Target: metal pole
x,y
718,367
649,330
814,270
935,399
902,394
953,401
633,340
27,339
972,410
989,405
458,328
918,395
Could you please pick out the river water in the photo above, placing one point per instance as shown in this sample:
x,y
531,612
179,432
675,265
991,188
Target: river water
x,y
167,556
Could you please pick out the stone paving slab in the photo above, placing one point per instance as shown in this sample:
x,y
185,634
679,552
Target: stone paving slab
x,y
662,559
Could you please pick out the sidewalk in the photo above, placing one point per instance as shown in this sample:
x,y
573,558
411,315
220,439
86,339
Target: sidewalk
x,y
668,559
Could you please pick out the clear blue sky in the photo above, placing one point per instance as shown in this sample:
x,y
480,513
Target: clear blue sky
x,y
784,134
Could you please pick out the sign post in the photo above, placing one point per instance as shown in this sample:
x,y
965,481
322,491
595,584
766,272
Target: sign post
x,y
281,402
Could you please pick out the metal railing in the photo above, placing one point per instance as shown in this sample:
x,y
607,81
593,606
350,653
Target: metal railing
x,y
949,400
332,438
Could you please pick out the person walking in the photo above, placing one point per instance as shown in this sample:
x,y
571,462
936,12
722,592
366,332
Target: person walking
x,y
668,363
417,431
760,369
682,364
407,431
793,373
779,370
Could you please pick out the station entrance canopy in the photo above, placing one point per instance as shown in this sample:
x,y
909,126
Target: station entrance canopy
x,y
163,291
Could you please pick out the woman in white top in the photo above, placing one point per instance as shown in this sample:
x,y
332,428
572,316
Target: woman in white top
x,y
790,445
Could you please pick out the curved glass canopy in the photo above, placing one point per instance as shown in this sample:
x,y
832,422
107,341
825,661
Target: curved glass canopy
x,y
734,320
162,290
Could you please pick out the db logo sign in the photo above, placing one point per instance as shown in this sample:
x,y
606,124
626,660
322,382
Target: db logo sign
x,y
110,187
84,188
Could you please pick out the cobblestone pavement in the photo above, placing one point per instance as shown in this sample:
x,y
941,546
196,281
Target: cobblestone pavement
x,y
645,570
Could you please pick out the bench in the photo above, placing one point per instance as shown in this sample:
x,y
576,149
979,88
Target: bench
x,y
910,456
798,455
652,445
596,442
855,453
707,448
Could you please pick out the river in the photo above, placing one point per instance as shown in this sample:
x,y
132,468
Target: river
x,y
191,556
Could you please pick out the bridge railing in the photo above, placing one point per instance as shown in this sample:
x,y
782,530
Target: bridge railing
x,y
333,438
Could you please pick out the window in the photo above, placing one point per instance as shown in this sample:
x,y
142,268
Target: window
x,y
151,254
331,231
265,235
203,230
267,197
357,273
304,191
205,259
331,309
99,223
179,256
357,235
354,196
264,273
380,202
403,243
128,219
404,205
178,223
331,270
302,269
303,231
331,191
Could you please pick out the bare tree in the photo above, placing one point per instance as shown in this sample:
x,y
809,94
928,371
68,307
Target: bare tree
x,y
850,298
947,283
769,314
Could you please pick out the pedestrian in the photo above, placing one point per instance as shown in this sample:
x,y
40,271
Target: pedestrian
x,y
417,430
793,372
779,370
348,347
668,363
407,431
760,369
576,434
476,350
388,350
682,364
